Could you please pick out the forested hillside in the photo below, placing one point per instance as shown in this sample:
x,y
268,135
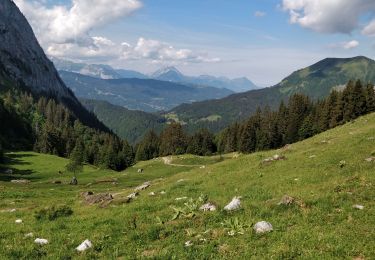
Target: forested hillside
x,y
316,81
130,125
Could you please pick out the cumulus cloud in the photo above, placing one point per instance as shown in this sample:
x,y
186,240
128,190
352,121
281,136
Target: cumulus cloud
x,y
65,32
328,16
345,45
259,14
60,24
157,51
369,30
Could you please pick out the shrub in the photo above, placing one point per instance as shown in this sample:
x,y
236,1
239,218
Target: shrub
x,y
52,213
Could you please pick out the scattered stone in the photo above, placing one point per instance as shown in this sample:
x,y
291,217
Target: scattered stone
x,y
74,181
342,164
56,182
188,243
312,156
41,241
263,227
181,198
84,246
202,167
234,204
9,171
162,192
152,194
18,221
102,198
276,157
20,181
29,235
370,159
286,200
140,171
371,138
12,210
87,193
143,186
296,179
360,207
133,195
180,180
208,207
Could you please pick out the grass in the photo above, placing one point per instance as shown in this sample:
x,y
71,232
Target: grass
x,y
323,225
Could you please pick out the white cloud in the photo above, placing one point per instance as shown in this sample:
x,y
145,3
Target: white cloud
x,y
65,32
328,16
369,30
259,14
59,24
157,51
345,45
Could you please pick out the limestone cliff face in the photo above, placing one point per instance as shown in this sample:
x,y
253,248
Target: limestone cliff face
x,y
22,60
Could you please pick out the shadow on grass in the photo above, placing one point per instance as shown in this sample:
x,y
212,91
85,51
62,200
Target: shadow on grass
x,y
8,173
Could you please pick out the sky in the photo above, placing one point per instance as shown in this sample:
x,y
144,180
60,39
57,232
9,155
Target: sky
x,y
264,40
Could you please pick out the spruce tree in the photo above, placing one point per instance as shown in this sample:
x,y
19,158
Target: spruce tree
x,y
173,140
148,148
75,164
370,98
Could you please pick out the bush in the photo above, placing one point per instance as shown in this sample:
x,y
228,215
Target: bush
x,y
53,213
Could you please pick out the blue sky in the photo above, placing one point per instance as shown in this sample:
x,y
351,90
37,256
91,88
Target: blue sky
x,y
264,40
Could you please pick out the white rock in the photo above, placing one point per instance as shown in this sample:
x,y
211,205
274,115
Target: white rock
x,y
41,241
29,235
208,207
18,221
132,195
188,243
12,210
180,180
143,186
181,198
263,227
84,246
202,167
360,207
234,204
162,192
151,194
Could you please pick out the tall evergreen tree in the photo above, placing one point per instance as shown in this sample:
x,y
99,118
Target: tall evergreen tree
x,y
173,140
202,143
370,98
148,148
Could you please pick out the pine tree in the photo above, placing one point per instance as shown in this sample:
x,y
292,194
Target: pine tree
x,y
148,148
75,164
173,140
1,154
370,98
202,143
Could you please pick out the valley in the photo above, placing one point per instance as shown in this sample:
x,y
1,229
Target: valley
x,y
322,221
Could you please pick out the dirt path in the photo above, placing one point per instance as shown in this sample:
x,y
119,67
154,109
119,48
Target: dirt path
x,y
168,161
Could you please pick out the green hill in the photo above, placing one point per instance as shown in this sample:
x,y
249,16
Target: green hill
x,y
315,81
326,174
131,125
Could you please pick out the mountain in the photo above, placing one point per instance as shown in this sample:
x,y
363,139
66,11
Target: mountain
x,y
96,70
131,125
139,94
23,64
174,75
316,81
171,74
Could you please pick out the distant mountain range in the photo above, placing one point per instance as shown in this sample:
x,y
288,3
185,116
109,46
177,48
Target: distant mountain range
x,y
139,94
316,81
171,74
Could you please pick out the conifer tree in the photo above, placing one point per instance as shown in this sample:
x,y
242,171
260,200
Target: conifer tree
x,y
75,164
148,148
173,140
370,98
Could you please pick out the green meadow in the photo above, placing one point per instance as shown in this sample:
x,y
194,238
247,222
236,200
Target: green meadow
x,y
326,175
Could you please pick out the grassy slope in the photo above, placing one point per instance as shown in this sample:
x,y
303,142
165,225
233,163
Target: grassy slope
x,y
326,226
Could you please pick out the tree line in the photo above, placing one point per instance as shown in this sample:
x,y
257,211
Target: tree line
x,y
297,120
44,125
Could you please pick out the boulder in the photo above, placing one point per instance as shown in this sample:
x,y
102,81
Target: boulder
x,y
102,198
208,207
140,171
188,243
263,227
286,200
143,186
370,159
360,207
28,235
133,195
41,241
18,221
20,181
152,194
234,204
84,246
